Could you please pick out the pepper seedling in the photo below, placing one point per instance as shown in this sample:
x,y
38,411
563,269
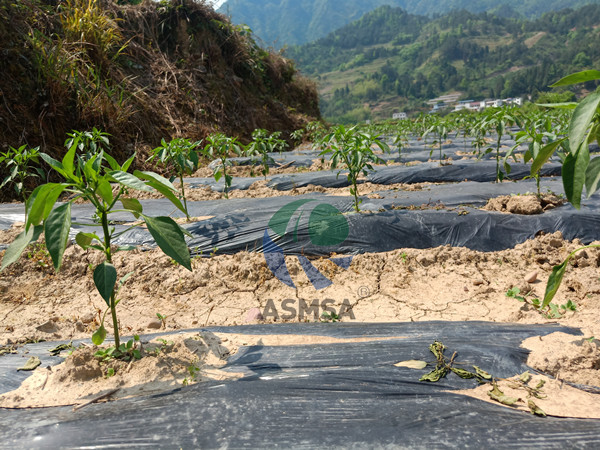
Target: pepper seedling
x,y
89,179
352,148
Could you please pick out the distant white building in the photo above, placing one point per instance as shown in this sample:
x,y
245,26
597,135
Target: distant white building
x,y
466,104
483,104
447,99
400,116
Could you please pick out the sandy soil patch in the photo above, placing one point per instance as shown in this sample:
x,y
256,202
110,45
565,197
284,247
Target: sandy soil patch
x,y
166,363
555,398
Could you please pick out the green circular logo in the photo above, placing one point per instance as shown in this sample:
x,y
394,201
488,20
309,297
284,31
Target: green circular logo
x,y
327,226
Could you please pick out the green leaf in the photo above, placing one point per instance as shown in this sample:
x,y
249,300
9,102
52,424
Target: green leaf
x,y
67,162
499,396
13,252
31,364
168,193
129,180
535,409
132,205
435,375
566,105
579,77
412,364
525,377
582,118
169,238
592,177
42,201
88,169
56,232
57,166
125,278
114,165
84,240
482,373
544,154
105,277
105,191
99,335
554,282
127,163
463,373
126,248
158,179
573,174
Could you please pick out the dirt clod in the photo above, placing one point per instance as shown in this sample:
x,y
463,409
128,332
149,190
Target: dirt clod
x,y
47,327
155,324
523,204
531,277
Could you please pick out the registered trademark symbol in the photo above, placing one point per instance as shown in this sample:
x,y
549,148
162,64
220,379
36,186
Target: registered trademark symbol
x,y
364,291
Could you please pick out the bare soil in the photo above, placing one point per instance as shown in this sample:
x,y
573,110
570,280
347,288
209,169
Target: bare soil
x,y
444,283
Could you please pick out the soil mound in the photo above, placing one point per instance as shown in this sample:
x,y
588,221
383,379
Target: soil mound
x,y
166,364
524,204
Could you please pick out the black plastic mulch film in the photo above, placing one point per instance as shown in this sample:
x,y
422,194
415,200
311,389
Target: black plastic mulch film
x,y
343,395
445,214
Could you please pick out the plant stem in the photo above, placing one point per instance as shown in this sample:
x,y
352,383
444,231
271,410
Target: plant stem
x,y
225,189
107,252
113,312
187,214
104,221
498,159
355,195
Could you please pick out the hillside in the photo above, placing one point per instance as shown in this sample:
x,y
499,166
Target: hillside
x,y
141,73
390,59
292,22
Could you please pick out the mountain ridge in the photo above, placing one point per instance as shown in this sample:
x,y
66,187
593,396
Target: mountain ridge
x,y
292,22
390,59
